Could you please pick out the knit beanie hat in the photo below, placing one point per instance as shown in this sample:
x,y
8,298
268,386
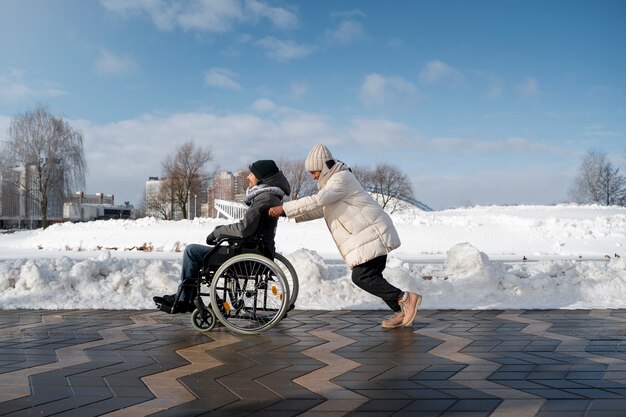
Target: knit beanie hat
x,y
263,168
316,160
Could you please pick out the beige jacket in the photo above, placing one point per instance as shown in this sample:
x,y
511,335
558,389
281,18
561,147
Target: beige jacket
x,y
362,230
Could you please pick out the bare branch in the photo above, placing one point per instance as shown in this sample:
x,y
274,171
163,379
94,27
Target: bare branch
x,y
185,174
389,185
50,154
301,182
598,181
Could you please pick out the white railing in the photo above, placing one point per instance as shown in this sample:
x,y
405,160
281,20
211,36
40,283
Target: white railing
x,y
230,210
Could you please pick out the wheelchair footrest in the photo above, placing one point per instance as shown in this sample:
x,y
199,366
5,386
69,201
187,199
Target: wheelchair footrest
x,y
165,308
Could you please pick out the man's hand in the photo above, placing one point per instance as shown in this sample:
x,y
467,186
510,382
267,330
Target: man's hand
x,y
211,240
276,211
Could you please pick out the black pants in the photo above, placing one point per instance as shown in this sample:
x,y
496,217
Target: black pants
x,y
369,277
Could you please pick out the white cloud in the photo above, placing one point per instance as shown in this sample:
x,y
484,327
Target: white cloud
x,y
281,50
278,16
485,186
299,88
208,16
272,131
380,132
110,65
395,43
379,90
529,88
437,72
511,145
263,105
599,130
204,16
494,88
139,145
222,78
347,14
348,31
15,87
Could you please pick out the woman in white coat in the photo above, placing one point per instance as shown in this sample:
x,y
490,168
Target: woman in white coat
x,y
361,229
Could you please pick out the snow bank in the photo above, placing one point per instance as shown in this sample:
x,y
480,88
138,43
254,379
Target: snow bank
x,y
457,259
103,282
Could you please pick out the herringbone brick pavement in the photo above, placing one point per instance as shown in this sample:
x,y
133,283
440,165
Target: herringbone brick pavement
x,y
548,363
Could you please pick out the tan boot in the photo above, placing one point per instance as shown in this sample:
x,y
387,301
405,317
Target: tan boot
x,y
409,304
394,321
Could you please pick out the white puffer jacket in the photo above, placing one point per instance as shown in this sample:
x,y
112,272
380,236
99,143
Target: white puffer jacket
x,y
360,227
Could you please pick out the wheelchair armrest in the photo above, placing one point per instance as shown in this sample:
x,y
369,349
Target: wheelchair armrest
x,y
221,240
238,241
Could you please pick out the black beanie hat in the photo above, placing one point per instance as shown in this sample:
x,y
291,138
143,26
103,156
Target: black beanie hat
x,y
264,168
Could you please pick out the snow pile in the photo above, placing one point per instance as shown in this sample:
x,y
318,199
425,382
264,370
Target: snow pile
x,y
457,259
102,282
569,231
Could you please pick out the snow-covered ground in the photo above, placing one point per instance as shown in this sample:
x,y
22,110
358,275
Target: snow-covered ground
x,y
460,259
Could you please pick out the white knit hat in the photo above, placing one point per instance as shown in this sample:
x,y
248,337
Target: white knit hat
x,y
316,160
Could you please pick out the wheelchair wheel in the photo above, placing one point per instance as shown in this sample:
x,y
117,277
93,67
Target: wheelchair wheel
x,y
290,275
249,293
203,320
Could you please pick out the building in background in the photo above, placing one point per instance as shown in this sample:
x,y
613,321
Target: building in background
x,y
99,206
240,186
19,206
155,205
160,205
225,186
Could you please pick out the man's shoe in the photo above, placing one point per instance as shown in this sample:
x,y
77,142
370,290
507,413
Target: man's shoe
x,y
165,303
167,299
394,321
409,304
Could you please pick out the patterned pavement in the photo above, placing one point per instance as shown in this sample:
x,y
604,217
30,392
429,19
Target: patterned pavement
x,y
548,363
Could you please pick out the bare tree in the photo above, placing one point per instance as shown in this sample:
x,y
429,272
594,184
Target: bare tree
x,y
612,184
301,182
598,181
158,203
364,175
185,174
389,186
585,188
50,153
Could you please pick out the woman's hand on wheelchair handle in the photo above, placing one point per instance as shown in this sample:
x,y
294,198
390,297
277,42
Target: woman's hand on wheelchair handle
x,y
276,211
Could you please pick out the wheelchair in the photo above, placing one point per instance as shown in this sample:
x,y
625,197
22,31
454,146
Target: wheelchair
x,y
242,288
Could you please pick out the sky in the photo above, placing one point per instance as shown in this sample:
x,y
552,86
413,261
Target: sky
x,y
456,259
481,102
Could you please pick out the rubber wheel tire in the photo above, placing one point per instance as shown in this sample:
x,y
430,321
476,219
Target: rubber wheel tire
x,y
201,323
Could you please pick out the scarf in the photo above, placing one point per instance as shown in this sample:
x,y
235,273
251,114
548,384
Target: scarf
x,y
252,192
327,173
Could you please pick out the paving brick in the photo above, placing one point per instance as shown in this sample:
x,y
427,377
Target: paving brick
x,y
451,363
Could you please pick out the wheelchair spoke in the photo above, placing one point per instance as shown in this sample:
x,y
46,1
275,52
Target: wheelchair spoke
x,y
249,293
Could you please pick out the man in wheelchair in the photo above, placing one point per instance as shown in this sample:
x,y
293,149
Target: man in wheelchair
x,y
266,188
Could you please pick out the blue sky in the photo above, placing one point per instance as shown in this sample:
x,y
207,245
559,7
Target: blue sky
x,y
482,102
